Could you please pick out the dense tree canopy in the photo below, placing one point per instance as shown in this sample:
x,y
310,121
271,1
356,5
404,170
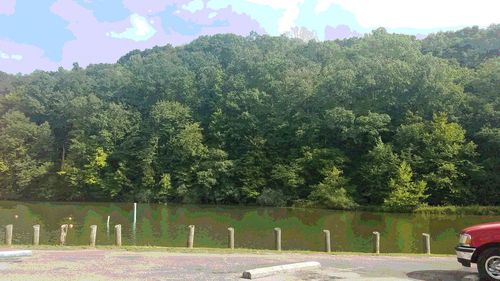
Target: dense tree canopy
x,y
383,120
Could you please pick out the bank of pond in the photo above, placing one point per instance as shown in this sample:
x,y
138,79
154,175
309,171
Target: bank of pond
x,y
253,227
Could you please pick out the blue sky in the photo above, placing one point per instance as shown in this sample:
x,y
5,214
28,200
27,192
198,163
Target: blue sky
x,y
47,34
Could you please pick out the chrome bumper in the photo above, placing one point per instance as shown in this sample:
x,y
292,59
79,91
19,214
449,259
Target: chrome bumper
x,y
464,255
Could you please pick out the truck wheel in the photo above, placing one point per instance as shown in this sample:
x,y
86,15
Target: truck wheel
x,y
488,264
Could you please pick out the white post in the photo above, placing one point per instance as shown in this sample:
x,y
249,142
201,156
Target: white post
x,y
376,242
190,242
118,235
93,235
36,234
135,213
64,232
134,224
107,227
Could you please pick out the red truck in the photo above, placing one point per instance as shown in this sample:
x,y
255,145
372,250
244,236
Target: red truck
x,y
480,244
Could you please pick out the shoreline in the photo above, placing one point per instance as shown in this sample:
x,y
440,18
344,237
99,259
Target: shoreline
x,y
473,210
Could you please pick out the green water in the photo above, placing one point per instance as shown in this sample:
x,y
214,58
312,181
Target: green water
x,y
162,225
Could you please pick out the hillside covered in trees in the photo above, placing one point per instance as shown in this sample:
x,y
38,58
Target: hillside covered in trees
x,y
383,120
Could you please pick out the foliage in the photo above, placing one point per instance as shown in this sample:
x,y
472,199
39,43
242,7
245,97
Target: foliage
x,y
24,154
332,191
379,166
440,155
469,46
405,193
268,120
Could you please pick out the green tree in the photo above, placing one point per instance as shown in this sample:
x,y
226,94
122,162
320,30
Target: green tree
x,y
261,119
440,155
406,195
24,155
377,168
469,46
332,191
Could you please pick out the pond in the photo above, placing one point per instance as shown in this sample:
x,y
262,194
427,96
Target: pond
x,y
166,225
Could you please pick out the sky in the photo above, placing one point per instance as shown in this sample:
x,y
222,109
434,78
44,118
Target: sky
x,y
48,34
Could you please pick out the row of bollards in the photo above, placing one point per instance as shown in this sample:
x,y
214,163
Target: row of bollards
x,y
426,238
62,237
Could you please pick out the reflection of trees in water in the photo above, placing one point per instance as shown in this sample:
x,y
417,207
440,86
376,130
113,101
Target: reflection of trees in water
x,y
301,228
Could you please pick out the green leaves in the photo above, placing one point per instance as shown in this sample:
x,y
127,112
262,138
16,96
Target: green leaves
x,y
332,191
405,195
349,129
440,155
381,120
469,46
377,168
24,154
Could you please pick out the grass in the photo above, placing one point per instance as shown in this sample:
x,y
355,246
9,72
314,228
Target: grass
x,y
211,250
460,210
437,210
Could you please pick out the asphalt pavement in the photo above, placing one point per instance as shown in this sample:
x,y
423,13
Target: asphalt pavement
x,y
52,265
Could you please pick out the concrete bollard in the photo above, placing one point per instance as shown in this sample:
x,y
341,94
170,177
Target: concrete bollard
x,y
426,239
64,232
8,234
118,235
93,235
277,238
280,269
328,247
376,242
190,242
15,254
230,237
36,235
107,226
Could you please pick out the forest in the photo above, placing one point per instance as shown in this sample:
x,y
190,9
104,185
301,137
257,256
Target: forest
x,y
382,120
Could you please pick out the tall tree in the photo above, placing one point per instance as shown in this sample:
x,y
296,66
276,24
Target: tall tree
x,y
24,155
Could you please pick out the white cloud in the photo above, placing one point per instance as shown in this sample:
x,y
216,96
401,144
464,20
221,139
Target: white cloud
x,y
212,15
7,7
16,57
141,29
290,14
418,14
322,6
193,6
6,56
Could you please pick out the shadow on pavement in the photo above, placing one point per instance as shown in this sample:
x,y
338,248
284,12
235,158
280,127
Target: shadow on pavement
x,y
439,275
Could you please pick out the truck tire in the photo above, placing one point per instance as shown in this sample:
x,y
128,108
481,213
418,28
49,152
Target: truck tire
x,y
488,264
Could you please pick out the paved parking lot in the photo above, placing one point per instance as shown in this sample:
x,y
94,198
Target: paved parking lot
x,y
160,265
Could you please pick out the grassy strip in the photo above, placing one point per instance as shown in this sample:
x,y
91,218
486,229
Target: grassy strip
x,y
438,210
460,210
210,250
